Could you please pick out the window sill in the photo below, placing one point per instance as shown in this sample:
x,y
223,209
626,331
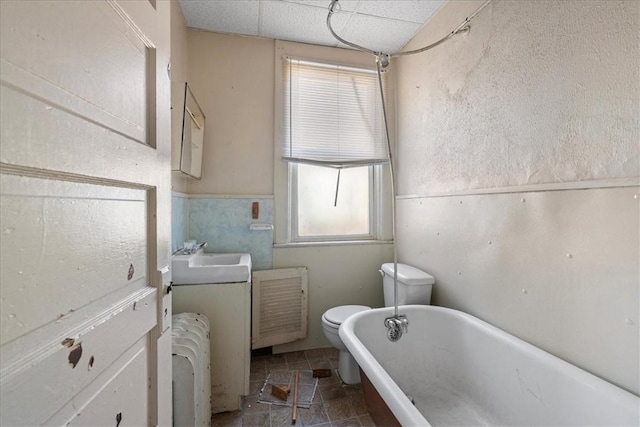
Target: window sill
x,y
331,243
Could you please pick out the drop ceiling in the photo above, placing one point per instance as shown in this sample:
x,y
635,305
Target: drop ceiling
x,y
381,25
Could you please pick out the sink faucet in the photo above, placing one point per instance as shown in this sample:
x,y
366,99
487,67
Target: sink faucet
x,y
196,248
190,249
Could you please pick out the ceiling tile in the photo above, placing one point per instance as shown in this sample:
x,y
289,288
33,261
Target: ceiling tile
x,y
345,5
226,16
379,34
417,11
299,22
305,20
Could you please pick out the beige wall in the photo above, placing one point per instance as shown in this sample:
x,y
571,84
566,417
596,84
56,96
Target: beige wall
x,y
338,275
519,159
232,79
178,78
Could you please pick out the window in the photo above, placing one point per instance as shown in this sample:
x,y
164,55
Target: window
x,y
324,211
334,141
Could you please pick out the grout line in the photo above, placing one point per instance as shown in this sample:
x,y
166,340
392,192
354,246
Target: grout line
x,y
321,399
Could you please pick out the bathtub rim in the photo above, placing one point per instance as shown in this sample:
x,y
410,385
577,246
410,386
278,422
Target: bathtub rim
x,y
401,406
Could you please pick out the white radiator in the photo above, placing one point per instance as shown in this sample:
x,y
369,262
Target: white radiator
x,y
279,306
191,370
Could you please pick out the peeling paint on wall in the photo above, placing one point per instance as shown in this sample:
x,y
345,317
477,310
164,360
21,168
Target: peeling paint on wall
x,y
534,94
542,94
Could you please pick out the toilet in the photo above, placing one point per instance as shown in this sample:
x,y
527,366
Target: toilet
x,y
331,320
414,287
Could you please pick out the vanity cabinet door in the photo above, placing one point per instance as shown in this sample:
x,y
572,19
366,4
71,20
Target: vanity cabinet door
x,y
228,308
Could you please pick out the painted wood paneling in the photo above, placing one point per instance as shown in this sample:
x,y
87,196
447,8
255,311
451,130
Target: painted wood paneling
x,y
71,248
113,401
111,90
56,362
85,213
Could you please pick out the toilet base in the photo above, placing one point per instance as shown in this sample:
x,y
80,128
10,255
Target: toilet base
x,y
348,368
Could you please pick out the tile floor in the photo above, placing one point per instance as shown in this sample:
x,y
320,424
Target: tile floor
x,y
334,405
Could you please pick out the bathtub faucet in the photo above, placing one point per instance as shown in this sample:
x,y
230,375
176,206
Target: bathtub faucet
x,y
396,326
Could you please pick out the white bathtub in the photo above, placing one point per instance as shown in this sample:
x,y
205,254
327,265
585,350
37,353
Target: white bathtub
x,y
461,371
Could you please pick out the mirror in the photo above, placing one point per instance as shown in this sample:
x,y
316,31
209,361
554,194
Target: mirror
x,y
193,122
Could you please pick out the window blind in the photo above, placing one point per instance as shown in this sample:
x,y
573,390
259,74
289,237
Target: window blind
x,y
332,115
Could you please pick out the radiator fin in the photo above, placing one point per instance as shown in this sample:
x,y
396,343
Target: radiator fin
x,y
279,306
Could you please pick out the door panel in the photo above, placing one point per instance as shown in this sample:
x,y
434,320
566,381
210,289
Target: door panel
x,y
84,213
110,89
53,364
66,234
113,400
39,135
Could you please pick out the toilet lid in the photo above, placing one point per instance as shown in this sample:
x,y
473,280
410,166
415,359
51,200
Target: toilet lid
x,y
337,315
409,275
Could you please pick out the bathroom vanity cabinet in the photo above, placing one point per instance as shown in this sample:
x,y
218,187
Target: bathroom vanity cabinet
x,y
228,308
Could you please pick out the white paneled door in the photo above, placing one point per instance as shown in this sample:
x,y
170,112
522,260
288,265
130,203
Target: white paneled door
x,y
85,180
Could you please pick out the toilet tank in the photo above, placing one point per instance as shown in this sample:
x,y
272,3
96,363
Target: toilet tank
x,y
414,286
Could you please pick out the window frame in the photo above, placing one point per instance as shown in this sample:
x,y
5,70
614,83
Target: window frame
x,y
375,210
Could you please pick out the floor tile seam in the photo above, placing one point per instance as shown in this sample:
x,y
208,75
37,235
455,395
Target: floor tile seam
x,y
324,409
326,414
346,419
353,411
321,423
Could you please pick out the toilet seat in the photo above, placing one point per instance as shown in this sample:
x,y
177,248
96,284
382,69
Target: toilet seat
x,y
348,370
336,315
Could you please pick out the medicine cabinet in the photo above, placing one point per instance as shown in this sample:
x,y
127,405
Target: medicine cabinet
x,y
193,124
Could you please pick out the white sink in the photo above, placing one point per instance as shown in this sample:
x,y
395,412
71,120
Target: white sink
x,y
204,267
